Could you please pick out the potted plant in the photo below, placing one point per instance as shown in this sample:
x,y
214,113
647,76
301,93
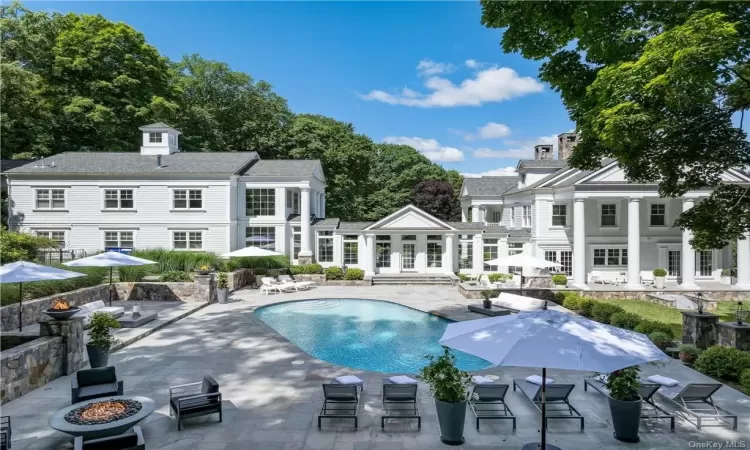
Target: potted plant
x,y
560,280
100,339
487,303
726,276
688,353
625,403
660,276
204,270
222,287
450,387
661,339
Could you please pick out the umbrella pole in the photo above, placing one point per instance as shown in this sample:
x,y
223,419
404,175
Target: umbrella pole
x,y
544,408
20,306
110,285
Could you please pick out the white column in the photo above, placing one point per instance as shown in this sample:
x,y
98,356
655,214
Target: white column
x,y
463,214
305,249
322,204
475,214
478,254
579,242
688,252
634,243
338,250
743,262
448,256
369,263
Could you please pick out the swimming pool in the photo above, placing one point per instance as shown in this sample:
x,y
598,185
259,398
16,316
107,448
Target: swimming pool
x,y
363,334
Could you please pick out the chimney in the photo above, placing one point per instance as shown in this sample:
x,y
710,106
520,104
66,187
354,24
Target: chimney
x,y
566,142
158,161
542,152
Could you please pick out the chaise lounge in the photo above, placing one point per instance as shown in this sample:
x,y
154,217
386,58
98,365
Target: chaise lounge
x,y
488,402
340,401
515,302
694,404
555,395
399,402
650,410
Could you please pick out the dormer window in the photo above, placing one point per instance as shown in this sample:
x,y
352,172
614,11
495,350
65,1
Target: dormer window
x,y
154,138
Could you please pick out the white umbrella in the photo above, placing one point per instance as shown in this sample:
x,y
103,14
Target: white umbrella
x,y
250,251
23,271
111,260
551,339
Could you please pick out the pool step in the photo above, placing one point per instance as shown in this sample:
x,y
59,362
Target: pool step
x,y
412,279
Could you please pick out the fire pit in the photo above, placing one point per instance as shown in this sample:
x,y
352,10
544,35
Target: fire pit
x,y
103,412
61,310
102,417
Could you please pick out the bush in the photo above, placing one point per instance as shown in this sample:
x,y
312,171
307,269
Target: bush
x,y
463,277
258,262
334,273
560,280
169,260
727,363
572,302
586,307
175,276
745,381
689,349
37,289
625,320
296,270
499,277
16,246
649,326
222,281
354,274
660,339
260,271
560,297
308,269
132,274
100,330
602,312
660,273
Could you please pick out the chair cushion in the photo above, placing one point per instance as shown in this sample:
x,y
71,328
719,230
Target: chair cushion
x,y
209,386
664,381
195,405
348,379
536,379
96,391
102,375
478,379
402,379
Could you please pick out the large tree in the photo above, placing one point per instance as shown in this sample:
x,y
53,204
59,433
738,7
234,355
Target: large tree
x,y
437,198
657,85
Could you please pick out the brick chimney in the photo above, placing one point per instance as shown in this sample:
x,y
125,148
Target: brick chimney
x,y
566,142
542,152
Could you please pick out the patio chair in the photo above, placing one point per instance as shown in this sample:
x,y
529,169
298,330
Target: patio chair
x,y
132,439
488,402
647,277
596,276
649,408
694,404
340,401
298,284
484,281
5,432
399,402
556,395
269,285
89,384
195,399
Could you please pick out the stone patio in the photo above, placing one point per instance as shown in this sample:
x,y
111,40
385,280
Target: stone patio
x,y
270,403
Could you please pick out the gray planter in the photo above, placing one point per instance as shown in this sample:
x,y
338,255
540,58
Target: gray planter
x,y
451,417
626,418
659,282
222,294
98,357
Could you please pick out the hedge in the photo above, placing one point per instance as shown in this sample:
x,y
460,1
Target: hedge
x,y
176,276
661,339
354,274
307,269
167,260
602,312
586,307
625,320
37,289
649,326
745,381
499,277
253,262
559,280
727,363
334,273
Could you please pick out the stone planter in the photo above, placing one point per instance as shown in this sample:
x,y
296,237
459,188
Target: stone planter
x,y
659,282
222,294
626,418
451,417
688,358
202,272
98,357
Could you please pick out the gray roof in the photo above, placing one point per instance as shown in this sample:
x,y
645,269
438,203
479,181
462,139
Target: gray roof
x,y
283,168
317,222
156,126
8,164
354,226
135,163
541,163
489,185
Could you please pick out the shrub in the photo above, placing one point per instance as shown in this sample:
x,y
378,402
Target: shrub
x,y
447,382
660,339
175,276
689,349
572,302
99,330
132,274
745,381
660,273
463,277
258,262
260,271
16,246
354,274
499,277
723,362
560,280
37,289
334,273
296,270
625,320
602,312
222,281
168,260
649,326
313,269
560,297
586,307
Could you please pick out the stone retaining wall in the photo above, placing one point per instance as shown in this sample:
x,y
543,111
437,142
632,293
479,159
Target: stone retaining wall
x,y
29,366
240,278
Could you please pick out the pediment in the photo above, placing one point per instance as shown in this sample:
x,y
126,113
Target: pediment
x,y
410,218
614,174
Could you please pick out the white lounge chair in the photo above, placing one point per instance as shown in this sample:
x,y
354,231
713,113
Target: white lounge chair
x,y
269,285
288,283
518,302
596,277
647,277
98,306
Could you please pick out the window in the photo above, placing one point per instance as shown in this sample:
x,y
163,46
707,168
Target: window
x,y
564,257
295,200
526,216
50,198
325,246
383,251
118,199
296,242
559,215
260,202
434,250
550,256
263,237
489,252
288,196
600,257
154,138
658,215
187,199
705,262
609,216
613,256
187,240
497,216
466,251
118,239
610,256
351,249
58,236
515,248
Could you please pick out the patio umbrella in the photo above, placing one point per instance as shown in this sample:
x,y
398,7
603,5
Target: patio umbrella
x,y
522,260
111,260
22,271
551,339
250,251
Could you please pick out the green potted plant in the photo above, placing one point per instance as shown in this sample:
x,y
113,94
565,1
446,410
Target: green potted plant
x,y
660,276
625,403
560,280
661,339
450,387
487,303
100,338
688,353
222,287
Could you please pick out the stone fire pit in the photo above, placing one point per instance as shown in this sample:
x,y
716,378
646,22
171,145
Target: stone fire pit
x,y
102,417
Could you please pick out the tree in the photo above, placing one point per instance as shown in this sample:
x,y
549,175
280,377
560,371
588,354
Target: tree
x,y
654,85
437,198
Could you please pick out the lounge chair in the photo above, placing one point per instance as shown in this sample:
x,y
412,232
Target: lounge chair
x,y
555,395
340,401
649,410
89,384
286,279
87,309
647,277
488,402
131,440
5,432
399,402
195,400
515,302
694,402
596,277
269,285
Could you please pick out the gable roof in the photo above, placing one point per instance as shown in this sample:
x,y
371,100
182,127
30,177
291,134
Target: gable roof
x,y
541,164
158,126
489,185
136,163
8,164
410,217
284,168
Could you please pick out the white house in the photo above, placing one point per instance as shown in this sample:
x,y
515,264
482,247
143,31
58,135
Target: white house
x,y
221,201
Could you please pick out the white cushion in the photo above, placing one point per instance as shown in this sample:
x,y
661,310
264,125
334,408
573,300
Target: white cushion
x,y
478,379
402,379
536,379
664,381
348,379
518,302
112,310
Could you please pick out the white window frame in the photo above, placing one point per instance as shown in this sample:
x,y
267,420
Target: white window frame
x,y
666,215
349,239
119,199
557,252
155,138
616,215
513,216
188,240
552,215
263,194
48,234
621,256
187,199
497,216
51,206
468,240
526,216
323,235
119,238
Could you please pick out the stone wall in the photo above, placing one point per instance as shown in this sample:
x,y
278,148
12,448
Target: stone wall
x,y
699,329
733,335
73,354
197,291
320,280
240,278
29,366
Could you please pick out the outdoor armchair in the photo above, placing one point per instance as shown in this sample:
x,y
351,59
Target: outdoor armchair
x,y
5,432
132,439
89,384
195,399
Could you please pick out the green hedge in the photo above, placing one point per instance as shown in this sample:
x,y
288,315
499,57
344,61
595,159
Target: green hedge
x,y
727,363
354,274
133,274
306,269
37,289
745,381
334,273
602,312
176,276
559,280
586,307
499,277
661,339
252,262
649,326
625,320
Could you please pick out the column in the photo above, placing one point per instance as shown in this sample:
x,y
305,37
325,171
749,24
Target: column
x,y
464,214
305,254
369,263
478,254
338,250
475,214
322,205
743,262
634,243
688,252
579,242
448,256
483,214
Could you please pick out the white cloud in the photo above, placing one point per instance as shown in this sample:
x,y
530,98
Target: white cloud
x,y
517,149
430,148
427,67
501,172
495,84
484,153
471,64
492,130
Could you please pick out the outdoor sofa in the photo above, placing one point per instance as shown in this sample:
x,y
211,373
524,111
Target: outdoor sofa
x,y
515,302
98,306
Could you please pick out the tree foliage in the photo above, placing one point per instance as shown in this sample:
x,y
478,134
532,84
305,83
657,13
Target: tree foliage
x,y
437,198
655,85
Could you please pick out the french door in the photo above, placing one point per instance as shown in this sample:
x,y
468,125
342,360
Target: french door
x,y
407,257
674,263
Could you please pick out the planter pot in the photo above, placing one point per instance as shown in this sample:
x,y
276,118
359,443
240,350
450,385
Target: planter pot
x,y
687,358
202,272
726,280
62,314
659,282
487,304
451,417
98,357
626,417
222,294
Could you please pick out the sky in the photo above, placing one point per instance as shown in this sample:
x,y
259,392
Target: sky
x,y
423,74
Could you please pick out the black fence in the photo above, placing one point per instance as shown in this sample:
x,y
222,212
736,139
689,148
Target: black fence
x,y
58,256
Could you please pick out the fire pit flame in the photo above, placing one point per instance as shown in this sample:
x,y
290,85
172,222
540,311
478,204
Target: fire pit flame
x,y
60,305
103,412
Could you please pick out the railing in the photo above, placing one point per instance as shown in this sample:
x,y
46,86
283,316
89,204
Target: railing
x,y
59,256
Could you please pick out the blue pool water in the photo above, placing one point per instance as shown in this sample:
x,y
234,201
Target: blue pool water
x,y
363,334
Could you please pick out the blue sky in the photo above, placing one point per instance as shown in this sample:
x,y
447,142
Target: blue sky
x,y
426,74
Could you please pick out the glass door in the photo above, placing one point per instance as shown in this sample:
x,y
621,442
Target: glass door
x,y
704,263
673,263
407,257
